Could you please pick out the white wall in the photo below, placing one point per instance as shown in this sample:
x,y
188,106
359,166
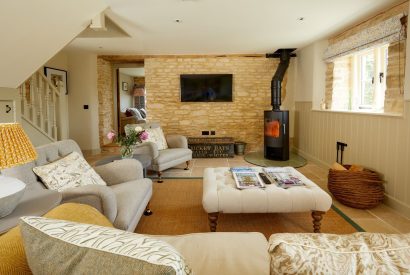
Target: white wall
x,y
33,31
82,85
126,100
310,74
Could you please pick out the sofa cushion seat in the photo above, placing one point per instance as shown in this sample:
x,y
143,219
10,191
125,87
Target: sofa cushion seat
x,y
223,252
358,253
172,155
132,197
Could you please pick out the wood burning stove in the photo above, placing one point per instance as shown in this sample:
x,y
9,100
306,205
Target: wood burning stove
x,y
276,122
276,137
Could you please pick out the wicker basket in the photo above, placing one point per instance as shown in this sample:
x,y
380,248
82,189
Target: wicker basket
x,y
357,189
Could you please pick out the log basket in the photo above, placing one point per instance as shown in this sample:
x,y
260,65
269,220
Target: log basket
x,y
357,189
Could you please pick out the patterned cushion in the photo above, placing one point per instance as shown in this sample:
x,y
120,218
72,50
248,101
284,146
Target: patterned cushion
x,y
70,171
156,135
143,113
62,247
358,253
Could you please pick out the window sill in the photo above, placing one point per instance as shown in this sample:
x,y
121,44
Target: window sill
x,y
398,115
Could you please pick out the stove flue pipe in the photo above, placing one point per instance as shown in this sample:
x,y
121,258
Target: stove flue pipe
x,y
276,83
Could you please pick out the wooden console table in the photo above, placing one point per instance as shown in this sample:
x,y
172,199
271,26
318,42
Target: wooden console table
x,y
211,147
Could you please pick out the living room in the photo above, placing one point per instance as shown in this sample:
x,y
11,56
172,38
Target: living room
x,y
342,82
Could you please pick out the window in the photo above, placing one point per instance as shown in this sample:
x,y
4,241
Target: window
x,y
359,81
369,82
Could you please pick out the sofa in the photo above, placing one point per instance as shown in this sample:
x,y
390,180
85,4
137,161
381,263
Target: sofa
x,y
122,201
125,119
249,253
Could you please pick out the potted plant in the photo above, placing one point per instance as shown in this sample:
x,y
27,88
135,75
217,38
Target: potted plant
x,y
129,140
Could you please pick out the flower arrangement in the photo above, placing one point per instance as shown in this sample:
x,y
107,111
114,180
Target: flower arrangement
x,y
128,141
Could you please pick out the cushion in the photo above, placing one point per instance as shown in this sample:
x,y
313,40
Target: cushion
x,y
68,172
143,113
156,135
227,253
135,112
12,255
64,247
363,253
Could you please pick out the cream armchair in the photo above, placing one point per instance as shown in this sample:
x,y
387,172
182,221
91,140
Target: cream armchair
x,y
176,154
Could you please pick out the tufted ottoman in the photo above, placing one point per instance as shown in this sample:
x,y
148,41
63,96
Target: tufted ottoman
x,y
220,195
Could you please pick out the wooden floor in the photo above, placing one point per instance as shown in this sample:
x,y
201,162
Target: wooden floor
x,y
177,207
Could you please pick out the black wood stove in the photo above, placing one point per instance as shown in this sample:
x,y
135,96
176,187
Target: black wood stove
x,y
276,122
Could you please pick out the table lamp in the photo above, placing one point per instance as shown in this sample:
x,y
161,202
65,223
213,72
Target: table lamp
x,y
15,149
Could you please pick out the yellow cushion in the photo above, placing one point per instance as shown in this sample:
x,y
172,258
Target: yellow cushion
x,y
12,255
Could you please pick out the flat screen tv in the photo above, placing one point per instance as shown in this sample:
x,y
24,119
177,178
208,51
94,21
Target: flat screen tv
x,y
206,88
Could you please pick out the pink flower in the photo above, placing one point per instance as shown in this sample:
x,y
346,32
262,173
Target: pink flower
x,y
144,135
111,135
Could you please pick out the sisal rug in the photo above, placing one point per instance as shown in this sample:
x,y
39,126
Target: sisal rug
x,y
177,207
258,158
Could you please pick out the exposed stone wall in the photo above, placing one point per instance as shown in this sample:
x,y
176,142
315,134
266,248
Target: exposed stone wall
x,y
341,83
241,119
394,97
329,84
105,99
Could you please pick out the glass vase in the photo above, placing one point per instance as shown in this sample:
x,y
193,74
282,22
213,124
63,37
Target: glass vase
x,y
127,152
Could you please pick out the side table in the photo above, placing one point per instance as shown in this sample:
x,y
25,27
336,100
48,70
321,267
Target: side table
x,y
144,159
35,202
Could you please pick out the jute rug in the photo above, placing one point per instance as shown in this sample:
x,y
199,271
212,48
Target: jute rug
x,y
177,207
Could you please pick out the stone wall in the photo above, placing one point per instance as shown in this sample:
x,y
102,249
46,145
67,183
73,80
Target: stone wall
x,y
105,99
139,81
329,84
241,119
341,83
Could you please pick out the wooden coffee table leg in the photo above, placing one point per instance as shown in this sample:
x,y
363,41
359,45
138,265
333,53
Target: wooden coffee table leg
x,y
317,218
213,220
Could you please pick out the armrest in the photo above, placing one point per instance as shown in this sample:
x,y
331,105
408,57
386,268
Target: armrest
x,y
177,141
147,148
89,194
120,171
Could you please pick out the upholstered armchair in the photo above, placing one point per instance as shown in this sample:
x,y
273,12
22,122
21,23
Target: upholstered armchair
x,y
176,154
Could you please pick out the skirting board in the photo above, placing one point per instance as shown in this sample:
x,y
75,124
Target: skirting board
x,y
403,209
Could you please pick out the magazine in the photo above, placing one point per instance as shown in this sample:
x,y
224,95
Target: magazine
x,y
246,180
284,177
242,169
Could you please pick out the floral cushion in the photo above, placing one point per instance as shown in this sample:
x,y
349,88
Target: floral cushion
x,y
68,172
63,247
358,253
156,135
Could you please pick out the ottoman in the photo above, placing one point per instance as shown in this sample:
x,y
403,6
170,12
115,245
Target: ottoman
x,y
220,195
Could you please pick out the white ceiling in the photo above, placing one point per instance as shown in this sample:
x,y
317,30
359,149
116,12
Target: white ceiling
x,y
133,71
225,26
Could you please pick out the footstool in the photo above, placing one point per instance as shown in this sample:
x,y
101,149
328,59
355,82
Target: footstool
x,y
220,195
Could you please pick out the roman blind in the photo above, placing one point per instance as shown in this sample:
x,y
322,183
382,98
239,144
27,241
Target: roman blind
x,y
387,31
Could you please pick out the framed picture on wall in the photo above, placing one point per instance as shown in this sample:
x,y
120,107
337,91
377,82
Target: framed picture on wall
x,y
57,77
125,86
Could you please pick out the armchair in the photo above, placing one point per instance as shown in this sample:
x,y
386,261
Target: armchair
x,y
122,201
176,154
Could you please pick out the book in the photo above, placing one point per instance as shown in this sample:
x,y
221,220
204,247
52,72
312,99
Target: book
x,y
284,177
246,180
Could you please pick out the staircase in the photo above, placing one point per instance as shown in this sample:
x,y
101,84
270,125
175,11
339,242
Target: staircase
x,y
42,106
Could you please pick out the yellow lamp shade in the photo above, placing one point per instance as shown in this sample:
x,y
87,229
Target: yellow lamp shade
x,y
15,146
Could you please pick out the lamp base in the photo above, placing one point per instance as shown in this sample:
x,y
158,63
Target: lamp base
x,y
11,192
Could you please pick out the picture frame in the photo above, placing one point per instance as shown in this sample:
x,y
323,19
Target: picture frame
x,y
57,77
125,86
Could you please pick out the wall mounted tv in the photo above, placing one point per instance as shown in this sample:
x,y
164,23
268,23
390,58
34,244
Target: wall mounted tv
x,y
206,88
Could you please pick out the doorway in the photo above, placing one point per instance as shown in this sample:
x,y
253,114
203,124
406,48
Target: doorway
x,y
130,96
